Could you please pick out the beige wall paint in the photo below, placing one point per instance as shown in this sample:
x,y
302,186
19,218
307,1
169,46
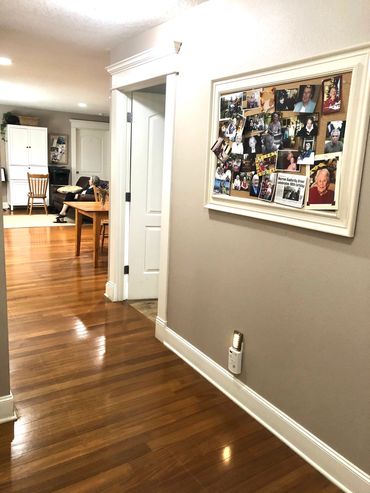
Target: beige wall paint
x,y
300,297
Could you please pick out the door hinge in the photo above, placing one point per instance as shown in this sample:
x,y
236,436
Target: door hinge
x,y
126,269
129,117
128,197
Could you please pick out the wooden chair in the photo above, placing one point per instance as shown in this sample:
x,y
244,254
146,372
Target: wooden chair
x,y
38,188
104,228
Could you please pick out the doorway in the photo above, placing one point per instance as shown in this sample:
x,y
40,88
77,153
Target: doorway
x,y
146,176
126,78
90,149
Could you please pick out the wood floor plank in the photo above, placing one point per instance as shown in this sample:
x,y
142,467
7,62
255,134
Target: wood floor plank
x,y
105,407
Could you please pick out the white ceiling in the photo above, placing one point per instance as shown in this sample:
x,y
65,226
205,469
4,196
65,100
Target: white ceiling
x,y
60,48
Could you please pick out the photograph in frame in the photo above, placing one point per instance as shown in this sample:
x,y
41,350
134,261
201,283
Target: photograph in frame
x,y
287,160
268,99
285,99
307,125
244,182
266,163
234,162
222,180
253,145
331,95
348,72
231,105
254,185
306,154
324,178
307,98
58,151
252,99
288,130
221,149
334,140
254,124
267,188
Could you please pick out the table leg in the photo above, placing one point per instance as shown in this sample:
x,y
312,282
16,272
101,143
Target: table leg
x,y
78,226
96,237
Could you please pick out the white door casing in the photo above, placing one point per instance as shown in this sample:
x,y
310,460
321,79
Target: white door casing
x,y
146,194
156,66
90,149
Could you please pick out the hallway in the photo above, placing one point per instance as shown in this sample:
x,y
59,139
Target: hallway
x,y
104,407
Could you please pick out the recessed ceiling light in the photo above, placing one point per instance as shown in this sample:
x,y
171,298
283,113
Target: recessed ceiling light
x,y
5,61
82,105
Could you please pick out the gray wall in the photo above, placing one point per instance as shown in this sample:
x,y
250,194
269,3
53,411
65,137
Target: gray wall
x,y
4,355
300,297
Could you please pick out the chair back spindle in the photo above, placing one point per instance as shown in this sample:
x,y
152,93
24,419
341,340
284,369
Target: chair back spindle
x,y
38,187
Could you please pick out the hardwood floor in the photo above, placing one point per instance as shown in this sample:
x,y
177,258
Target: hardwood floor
x,y
104,407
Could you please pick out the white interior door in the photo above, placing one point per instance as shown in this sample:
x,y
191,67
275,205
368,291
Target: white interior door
x,y
90,149
146,194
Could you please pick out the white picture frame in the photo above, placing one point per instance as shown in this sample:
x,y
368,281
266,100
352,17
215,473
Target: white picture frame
x,y
343,220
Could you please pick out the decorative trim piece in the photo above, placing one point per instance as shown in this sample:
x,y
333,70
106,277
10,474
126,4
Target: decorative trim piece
x,y
111,291
89,124
7,410
145,69
144,57
336,468
169,127
160,328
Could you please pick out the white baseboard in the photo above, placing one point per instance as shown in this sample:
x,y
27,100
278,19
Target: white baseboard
x,y
111,291
335,467
160,328
5,206
7,410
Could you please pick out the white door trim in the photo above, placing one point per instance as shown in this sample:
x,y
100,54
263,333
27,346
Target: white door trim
x,y
119,183
157,66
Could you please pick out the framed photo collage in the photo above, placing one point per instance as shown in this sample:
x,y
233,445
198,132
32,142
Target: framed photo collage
x,y
283,143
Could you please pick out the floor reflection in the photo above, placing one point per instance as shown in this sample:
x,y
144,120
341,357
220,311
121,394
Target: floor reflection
x,y
6,438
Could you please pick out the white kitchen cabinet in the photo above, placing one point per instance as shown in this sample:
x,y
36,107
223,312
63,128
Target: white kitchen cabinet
x,y
26,152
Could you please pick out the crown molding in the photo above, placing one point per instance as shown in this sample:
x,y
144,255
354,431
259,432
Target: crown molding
x,y
151,55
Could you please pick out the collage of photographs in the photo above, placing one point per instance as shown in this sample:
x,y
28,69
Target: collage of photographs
x,y
283,144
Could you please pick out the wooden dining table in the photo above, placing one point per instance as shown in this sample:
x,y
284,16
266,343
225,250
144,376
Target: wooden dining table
x,y
97,212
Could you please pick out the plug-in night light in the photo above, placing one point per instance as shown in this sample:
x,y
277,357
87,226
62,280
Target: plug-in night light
x,y
237,340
